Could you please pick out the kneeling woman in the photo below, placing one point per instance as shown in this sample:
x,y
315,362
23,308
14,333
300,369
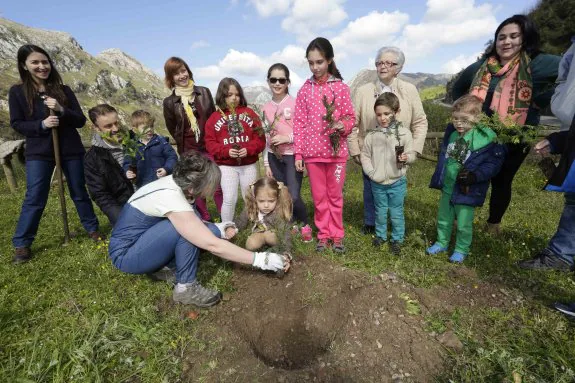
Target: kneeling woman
x,y
158,226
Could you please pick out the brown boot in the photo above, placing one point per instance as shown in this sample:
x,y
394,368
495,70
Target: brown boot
x,y
21,255
96,236
493,228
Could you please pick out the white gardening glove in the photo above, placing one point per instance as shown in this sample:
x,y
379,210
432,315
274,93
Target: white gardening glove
x,y
223,226
269,261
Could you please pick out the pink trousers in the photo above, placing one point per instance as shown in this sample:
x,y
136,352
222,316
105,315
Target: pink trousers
x,y
201,203
326,180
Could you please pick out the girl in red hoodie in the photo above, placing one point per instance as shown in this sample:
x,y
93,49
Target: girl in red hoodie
x,y
235,138
323,118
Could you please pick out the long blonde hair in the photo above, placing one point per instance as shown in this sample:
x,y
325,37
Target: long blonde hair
x,y
284,201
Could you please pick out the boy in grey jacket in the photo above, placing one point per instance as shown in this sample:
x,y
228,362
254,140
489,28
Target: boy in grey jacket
x,y
386,151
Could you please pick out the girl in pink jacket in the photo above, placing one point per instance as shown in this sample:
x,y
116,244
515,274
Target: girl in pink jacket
x,y
324,117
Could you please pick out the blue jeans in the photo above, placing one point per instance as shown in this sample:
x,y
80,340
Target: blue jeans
x,y
141,244
38,175
368,204
390,197
284,171
563,242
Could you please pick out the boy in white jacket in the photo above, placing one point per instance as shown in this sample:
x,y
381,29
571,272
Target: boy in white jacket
x,y
386,151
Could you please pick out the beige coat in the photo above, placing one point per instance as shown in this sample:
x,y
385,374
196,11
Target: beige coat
x,y
378,155
411,113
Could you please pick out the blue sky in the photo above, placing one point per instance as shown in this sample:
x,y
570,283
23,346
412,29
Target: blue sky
x,y
241,38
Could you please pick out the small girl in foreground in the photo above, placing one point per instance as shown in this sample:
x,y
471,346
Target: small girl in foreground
x,y
268,209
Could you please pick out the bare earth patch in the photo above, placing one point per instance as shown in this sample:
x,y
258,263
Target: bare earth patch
x,y
325,323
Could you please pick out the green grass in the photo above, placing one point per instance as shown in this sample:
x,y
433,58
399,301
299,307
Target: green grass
x,y
432,93
70,316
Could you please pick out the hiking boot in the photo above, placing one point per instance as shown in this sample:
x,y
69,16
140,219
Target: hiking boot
x,y
566,308
378,241
545,261
322,245
493,228
338,246
96,236
306,234
368,229
457,257
196,294
21,255
395,248
436,248
164,274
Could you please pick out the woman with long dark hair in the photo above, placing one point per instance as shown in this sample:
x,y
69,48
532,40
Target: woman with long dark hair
x,y
515,79
31,102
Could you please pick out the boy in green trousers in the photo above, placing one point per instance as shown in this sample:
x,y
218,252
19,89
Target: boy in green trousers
x,y
468,160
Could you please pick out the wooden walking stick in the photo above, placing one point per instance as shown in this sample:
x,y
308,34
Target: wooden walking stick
x,y
56,142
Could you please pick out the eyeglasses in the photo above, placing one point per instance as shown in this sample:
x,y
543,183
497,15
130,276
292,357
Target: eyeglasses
x,y
273,80
387,64
462,121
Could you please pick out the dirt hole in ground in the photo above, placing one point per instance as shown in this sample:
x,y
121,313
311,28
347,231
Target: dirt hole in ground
x,y
325,323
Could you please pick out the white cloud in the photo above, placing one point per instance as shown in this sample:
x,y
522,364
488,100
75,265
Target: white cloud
x,y
292,56
200,44
207,72
242,63
447,22
250,68
266,8
458,63
306,18
368,33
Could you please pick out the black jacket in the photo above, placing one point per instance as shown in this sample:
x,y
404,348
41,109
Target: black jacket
x,y
106,181
177,123
38,140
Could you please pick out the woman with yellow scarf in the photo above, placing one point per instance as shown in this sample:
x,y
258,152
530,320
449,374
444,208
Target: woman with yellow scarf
x,y
186,111
515,80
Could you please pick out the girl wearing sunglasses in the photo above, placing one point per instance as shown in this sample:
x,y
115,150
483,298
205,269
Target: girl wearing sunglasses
x,y
279,157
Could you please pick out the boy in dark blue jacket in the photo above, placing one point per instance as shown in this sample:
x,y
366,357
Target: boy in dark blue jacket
x,y
155,157
467,161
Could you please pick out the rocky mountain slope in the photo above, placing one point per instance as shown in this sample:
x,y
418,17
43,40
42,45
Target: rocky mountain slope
x,y
420,80
112,76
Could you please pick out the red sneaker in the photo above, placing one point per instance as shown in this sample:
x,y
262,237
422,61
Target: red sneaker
x,y
338,246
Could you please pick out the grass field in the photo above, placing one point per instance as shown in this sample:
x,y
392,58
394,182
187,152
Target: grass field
x,y
69,316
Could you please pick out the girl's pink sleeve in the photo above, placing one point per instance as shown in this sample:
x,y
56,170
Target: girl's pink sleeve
x,y
346,111
299,121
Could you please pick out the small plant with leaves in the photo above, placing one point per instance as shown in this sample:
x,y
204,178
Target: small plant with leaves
x,y
131,146
235,127
393,128
508,131
268,128
459,151
334,134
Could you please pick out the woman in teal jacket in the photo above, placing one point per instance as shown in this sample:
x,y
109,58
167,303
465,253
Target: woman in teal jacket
x,y
515,79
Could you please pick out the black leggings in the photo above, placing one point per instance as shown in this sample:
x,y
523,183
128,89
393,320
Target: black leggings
x,y
501,183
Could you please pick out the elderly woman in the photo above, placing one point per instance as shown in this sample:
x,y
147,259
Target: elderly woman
x,y
388,63
158,226
186,111
514,79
